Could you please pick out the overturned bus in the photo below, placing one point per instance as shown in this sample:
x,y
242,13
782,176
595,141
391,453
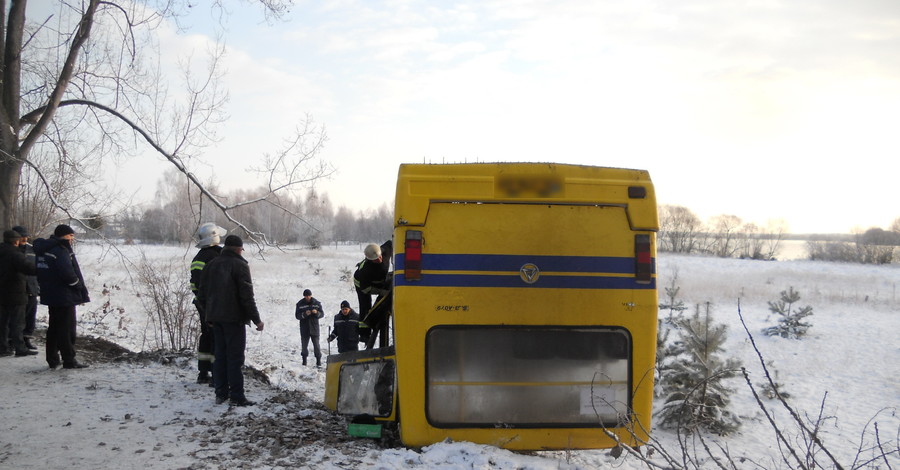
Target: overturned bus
x,y
524,309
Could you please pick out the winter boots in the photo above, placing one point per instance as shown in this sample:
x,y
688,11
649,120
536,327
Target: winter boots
x,y
204,378
318,361
29,344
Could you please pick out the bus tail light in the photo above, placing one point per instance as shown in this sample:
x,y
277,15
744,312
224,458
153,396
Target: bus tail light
x,y
643,262
412,253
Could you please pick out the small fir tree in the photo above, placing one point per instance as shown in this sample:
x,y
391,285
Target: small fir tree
x,y
673,304
693,384
773,390
790,321
665,326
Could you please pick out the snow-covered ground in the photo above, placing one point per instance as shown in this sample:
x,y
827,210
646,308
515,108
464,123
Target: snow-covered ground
x,y
147,415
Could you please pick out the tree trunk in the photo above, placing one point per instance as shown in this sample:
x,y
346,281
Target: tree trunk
x,y
13,150
9,185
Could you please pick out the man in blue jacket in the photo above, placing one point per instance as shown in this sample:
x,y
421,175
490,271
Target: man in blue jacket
x,y
346,329
309,311
62,289
226,292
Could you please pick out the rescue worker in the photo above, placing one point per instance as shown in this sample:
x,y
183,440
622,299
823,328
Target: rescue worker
x,y
226,293
31,288
62,289
209,236
13,296
371,278
346,329
309,311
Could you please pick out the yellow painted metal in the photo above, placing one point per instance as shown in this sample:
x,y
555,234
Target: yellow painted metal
x,y
544,211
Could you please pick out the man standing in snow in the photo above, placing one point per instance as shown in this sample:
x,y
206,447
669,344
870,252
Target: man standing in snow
x,y
62,289
346,329
208,239
31,288
13,295
309,311
226,293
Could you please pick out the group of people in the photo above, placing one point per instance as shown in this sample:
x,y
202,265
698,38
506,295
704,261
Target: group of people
x,y
223,288
223,295
372,277
47,270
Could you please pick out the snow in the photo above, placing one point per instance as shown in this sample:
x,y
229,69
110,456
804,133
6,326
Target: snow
x,y
143,414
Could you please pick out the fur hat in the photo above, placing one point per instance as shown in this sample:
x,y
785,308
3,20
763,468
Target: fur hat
x,y
22,230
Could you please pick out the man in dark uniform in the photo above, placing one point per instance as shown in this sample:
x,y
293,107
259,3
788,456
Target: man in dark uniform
x,y
346,329
309,311
31,288
13,296
62,289
371,278
209,236
226,293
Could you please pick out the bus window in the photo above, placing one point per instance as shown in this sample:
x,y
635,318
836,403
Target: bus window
x,y
486,376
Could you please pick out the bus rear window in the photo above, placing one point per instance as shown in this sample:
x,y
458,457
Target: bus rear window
x,y
527,376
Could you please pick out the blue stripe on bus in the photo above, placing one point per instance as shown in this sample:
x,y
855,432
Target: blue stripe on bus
x,y
568,264
574,267
545,281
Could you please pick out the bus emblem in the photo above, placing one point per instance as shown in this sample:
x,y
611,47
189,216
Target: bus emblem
x,y
529,273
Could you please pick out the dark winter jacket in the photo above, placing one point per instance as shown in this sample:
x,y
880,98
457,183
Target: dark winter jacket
x,y
309,321
13,268
204,256
371,277
226,290
31,282
58,273
346,330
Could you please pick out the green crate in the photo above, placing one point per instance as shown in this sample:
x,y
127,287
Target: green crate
x,y
364,430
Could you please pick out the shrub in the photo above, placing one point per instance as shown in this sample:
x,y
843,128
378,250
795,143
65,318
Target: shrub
x,y
693,384
165,293
790,321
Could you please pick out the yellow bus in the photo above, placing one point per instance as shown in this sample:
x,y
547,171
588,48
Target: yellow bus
x,y
524,309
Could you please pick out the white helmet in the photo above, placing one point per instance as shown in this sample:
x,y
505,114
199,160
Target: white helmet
x,y
372,251
209,234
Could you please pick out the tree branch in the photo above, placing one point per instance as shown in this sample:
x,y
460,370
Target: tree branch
x,y
65,75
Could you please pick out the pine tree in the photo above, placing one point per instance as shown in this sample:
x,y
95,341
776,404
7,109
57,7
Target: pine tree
x,y
664,350
694,383
790,324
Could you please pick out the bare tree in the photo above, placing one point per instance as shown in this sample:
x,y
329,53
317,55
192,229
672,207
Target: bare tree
x,y
724,231
755,242
85,86
679,229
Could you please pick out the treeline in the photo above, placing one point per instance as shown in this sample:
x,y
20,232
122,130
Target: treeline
x,y
309,219
727,236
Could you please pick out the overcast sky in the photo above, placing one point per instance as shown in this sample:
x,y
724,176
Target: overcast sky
x,y
760,109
